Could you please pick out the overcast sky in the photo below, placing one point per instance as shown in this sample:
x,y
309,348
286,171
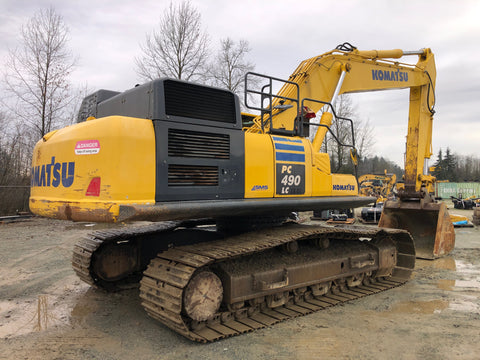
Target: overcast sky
x,y
106,35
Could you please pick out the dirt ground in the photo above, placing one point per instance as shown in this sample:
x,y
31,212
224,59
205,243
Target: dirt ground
x,y
46,312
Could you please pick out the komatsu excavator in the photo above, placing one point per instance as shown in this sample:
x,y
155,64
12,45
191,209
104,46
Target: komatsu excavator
x,y
219,259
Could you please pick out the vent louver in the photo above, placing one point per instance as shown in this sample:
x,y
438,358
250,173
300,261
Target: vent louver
x,y
192,175
193,144
199,102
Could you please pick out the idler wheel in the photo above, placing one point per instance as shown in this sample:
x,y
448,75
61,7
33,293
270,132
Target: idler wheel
x,y
115,261
202,296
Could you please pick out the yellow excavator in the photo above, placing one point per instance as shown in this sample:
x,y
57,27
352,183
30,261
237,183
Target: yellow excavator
x,y
381,186
220,257
378,185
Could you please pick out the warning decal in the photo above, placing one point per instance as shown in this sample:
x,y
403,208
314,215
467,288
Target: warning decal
x,y
87,147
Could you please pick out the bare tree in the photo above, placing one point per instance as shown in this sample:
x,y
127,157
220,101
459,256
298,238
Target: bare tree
x,y
364,137
230,66
362,131
36,76
178,49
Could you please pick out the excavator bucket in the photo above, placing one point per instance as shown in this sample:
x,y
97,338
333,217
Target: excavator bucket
x,y
428,223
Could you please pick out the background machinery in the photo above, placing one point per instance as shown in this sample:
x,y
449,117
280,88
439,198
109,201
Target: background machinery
x,y
381,186
218,259
467,203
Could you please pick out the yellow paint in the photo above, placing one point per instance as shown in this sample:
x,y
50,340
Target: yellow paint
x,y
124,162
344,184
259,169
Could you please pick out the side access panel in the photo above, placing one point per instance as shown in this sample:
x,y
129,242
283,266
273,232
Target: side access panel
x,y
198,163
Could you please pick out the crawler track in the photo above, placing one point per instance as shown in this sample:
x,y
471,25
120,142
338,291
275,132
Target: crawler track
x,y
84,250
163,285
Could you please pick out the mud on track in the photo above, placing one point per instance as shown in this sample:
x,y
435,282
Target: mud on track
x,y
434,316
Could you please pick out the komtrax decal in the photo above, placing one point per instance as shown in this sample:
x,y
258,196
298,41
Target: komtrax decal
x,y
347,187
53,174
387,75
87,147
259,188
290,179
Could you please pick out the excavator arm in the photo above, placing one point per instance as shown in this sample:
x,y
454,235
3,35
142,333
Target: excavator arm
x,y
349,70
339,72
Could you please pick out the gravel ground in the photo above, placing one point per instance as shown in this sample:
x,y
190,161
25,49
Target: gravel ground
x,y
46,312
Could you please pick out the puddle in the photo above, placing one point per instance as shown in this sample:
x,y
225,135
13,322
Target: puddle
x,y
467,268
464,276
446,285
453,285
445,263
24,317
419,307
468,284
468,278
81,311
47,311
466,304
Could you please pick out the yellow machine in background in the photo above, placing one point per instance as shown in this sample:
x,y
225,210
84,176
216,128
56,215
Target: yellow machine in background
x,y
177,154
381,186
378,185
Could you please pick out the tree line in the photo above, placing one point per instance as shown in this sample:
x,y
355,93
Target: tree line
x,y
456,168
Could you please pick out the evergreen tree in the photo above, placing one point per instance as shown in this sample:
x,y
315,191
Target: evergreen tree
x,y
450,166
439,164
446,168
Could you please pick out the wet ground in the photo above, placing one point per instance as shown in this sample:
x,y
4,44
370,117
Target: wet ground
x,y
47,313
